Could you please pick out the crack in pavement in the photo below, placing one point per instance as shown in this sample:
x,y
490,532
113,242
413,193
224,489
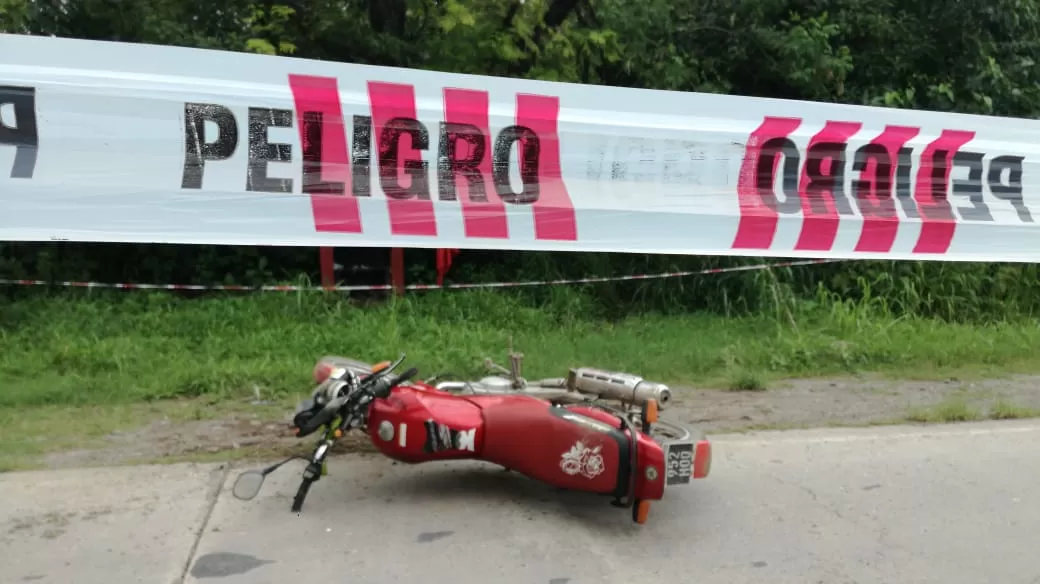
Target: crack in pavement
x,y
885,546
213,497
815,498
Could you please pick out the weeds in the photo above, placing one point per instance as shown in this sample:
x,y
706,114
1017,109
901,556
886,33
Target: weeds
x,y
747,381
104,348
950,410
958,410
1003,410
949,291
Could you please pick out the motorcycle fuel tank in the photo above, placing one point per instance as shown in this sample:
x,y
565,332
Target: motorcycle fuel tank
x,y
417,424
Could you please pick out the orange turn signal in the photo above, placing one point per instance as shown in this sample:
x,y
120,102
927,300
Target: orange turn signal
x,y
651,411
338,433
642,511
380,366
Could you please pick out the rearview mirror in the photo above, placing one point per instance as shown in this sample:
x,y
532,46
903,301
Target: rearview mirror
x,y
247,485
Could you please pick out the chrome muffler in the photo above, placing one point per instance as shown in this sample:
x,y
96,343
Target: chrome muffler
x,y
623,387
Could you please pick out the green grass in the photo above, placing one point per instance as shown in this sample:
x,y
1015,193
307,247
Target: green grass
x,y
1003,410
132,347
951,410
29,432
746,381
958,410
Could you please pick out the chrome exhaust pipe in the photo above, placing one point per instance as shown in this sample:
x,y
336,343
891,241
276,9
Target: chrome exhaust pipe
x,y
623,387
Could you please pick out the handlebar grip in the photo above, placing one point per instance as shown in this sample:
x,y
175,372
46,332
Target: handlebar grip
x,y
320,419
383,389
412,372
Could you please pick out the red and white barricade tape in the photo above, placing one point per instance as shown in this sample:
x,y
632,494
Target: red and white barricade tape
x,y
297,288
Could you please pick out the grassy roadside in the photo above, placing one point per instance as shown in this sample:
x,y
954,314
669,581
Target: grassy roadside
x,y
28,433
118,349
957,410
105,362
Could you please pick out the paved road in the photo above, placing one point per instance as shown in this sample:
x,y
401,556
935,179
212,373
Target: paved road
x,y
953,504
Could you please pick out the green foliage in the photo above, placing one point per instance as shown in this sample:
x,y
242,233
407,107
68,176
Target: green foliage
x,y
270,25
106,347
972,56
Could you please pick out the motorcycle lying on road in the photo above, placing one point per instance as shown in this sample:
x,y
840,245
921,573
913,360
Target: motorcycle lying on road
x,y
558,431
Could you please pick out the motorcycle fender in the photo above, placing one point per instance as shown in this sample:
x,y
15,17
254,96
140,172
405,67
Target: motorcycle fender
x,y
650,461
555,445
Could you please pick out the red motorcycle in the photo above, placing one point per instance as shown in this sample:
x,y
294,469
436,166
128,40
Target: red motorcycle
x,y
557,431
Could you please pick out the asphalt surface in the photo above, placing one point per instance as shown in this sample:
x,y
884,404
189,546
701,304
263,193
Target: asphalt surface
x,y
950,504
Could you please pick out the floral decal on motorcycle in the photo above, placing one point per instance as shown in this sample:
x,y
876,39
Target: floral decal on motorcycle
x,y
581,459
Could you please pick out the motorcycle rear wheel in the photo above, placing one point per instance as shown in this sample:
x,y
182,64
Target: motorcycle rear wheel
x,y
664,430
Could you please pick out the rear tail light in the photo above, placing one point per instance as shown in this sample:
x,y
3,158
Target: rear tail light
x,y
702,459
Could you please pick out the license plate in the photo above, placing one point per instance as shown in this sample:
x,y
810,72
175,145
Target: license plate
x,y
678,463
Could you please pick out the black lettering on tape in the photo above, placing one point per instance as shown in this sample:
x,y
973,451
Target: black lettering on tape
x,y
313,128
1010,191
530,154
939,209
20,132
450,165
197,148
764,175
645,166
904,184
262,151
832,182
680,159
595,161
671,156
389,157
878,203
972,187
619,162
634,160
361,157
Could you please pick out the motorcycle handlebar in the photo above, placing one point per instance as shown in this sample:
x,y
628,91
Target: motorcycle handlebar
x,y
383,389
410,373
320,419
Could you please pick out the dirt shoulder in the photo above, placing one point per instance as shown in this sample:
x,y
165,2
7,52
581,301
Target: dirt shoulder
x,y
195,431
